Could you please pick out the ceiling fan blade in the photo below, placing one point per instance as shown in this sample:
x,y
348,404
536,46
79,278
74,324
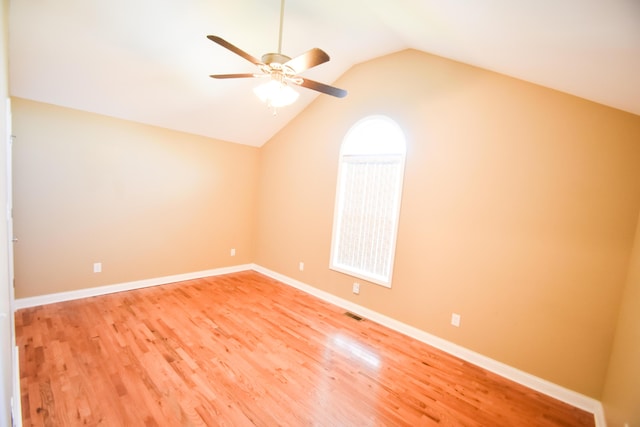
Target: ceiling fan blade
x,y
222,42
307,60
321,87
232,76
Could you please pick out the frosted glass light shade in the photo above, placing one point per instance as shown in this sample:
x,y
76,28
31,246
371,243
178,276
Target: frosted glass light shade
x,y
276,94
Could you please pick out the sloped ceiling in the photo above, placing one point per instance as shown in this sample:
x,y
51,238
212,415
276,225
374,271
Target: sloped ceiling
x,y
149,61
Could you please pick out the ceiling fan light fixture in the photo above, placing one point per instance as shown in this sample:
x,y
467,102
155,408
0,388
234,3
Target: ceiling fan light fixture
x,y
276,94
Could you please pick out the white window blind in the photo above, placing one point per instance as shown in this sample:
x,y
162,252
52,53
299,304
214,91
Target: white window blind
x,y
368,201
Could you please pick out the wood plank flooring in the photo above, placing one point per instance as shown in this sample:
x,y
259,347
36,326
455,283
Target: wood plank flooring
x,y
245,350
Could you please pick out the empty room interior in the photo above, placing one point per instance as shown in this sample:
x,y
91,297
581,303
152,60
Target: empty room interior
x,y
152,208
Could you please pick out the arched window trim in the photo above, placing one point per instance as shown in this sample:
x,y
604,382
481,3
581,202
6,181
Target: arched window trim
x,y
368,198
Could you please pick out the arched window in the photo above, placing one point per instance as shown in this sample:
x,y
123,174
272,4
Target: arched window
x,y
367,209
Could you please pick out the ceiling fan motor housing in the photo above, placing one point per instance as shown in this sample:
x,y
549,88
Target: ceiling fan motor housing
x,y
275,58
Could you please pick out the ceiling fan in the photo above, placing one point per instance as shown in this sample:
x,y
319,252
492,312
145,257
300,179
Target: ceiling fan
x,y
281,70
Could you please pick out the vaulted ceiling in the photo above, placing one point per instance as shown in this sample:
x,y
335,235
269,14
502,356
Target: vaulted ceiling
x,y
149,60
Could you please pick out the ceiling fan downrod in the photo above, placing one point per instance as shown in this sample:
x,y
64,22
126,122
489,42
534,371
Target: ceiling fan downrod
x,y
281,25
277,59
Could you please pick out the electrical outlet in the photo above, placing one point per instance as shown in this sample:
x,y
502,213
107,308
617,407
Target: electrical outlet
x,y
455,319
301,266
356,288
233,252
97,267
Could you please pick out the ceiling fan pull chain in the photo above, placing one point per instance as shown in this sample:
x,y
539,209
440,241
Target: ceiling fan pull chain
x,y
281,24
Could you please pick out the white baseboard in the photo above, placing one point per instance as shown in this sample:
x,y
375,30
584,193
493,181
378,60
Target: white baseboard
x,y
538,384
128,286
16,403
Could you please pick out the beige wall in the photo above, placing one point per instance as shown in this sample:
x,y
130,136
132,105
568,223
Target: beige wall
x,y
146,202
621,395
519,210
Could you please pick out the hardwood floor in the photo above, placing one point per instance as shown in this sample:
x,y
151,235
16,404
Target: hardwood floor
x,y
245,350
